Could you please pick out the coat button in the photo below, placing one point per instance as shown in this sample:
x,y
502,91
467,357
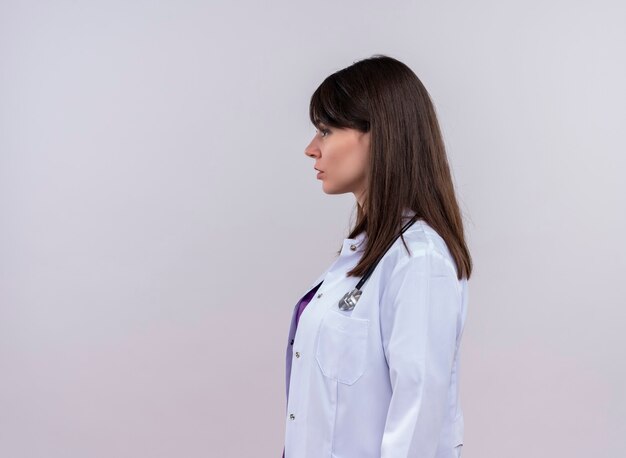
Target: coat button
x,y
297,354
292,416
353,247
291,343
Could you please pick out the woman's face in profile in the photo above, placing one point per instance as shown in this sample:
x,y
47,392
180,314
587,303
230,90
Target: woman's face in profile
x,y
341,155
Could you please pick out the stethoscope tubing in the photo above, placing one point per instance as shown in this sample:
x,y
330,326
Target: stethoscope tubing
x,y
349,300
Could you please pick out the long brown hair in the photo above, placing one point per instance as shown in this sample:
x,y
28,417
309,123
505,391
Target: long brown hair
x,y
408,166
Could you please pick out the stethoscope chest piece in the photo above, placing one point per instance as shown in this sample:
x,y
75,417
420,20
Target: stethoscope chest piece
x,y
349,300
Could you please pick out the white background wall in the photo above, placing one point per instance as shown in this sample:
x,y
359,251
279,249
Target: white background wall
x,y
158,216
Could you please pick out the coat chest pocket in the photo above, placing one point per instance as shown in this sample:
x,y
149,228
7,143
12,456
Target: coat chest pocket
x,y
342,347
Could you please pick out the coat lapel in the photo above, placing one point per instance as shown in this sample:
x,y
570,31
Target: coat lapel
x,y
292,327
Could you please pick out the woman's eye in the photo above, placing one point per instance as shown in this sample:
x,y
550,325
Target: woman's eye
x,y
324,131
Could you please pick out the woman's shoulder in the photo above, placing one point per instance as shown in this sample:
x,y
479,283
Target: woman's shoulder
x,y
426,247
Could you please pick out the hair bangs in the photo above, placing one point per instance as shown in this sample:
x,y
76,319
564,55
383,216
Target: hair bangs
x,y
330,105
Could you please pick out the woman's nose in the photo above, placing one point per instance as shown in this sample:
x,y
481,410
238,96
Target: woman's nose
x,y
311,151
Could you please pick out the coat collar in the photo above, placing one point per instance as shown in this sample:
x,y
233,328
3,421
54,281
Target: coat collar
x,y
358,241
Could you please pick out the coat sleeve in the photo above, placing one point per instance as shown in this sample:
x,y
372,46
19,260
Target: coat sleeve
x,y
420,317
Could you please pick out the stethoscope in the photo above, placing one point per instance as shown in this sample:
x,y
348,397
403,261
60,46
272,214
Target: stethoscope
x,y
349,300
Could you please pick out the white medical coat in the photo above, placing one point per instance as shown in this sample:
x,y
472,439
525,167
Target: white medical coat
x,y
382,380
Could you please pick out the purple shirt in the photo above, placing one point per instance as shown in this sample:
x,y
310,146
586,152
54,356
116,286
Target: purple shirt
x,y
304,302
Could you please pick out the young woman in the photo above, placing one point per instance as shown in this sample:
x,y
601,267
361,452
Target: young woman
x,y
376,375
